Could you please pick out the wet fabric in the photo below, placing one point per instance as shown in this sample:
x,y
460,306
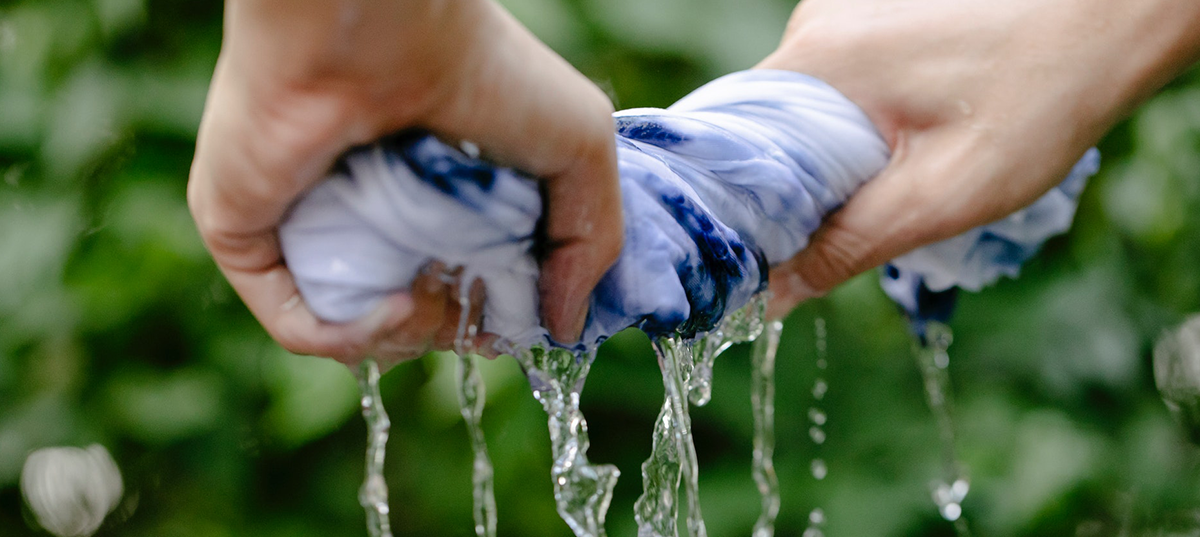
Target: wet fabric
x,y
725,183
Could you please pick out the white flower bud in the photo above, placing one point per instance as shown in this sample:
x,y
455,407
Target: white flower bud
x,y
1177,373
70,489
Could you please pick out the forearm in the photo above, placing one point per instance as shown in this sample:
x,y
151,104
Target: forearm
x,y
1161,40
1099,57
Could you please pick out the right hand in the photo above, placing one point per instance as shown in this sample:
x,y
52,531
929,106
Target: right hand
x,y
986,106
300,81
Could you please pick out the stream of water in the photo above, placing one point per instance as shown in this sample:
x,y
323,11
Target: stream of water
x,y
673,454
582,490
952,487
471,397
762,403
687,369
741,326
374,492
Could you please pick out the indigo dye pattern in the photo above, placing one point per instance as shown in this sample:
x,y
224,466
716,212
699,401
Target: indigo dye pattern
x,y
728,181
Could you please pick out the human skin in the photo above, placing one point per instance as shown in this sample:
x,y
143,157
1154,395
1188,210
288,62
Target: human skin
x,y
300,81
986,106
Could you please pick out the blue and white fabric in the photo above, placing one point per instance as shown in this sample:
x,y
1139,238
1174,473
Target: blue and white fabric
x,y
727,182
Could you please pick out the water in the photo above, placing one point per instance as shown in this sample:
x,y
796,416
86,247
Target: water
x,y
817,419
952,487
374,493
741,326
816,521
582,490
673,454
471,399
762,402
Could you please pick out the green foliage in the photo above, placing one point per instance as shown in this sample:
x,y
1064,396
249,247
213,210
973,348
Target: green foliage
x,y
115,327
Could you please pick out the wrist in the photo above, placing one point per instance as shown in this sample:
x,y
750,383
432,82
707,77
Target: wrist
x,y
1150,43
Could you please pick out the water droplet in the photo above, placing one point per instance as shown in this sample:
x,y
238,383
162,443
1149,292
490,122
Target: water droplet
x,y
816,416
819,470
941,360
951,511
817,435
762,403
819,389
816,517
960,488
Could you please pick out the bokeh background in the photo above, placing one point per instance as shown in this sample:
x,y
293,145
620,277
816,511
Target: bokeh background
x,y
116,328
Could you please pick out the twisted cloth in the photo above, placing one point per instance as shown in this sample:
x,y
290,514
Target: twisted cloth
x,y
717,188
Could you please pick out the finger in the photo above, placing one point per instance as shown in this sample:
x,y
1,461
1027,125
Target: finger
x,y
433,300
273,299
253,157
251,260
932,190
486,345
460,328
528,108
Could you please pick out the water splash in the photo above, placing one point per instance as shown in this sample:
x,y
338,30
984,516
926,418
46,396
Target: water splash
x,y
933,359
743,325
374,492
762,402
818,418
673,455
582,490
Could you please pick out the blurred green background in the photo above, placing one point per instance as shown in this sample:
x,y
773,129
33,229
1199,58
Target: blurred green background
x,y
115,326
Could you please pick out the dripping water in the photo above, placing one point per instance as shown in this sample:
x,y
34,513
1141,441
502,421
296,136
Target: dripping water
x,y
817,419
741,326
472,398
582,490
933,359
687,369
762,402
673,453
374,493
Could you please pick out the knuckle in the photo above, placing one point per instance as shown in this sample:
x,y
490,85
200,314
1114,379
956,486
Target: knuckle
x,y
838,255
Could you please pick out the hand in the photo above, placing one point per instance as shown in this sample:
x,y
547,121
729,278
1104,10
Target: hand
x,y
986,106
300,81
